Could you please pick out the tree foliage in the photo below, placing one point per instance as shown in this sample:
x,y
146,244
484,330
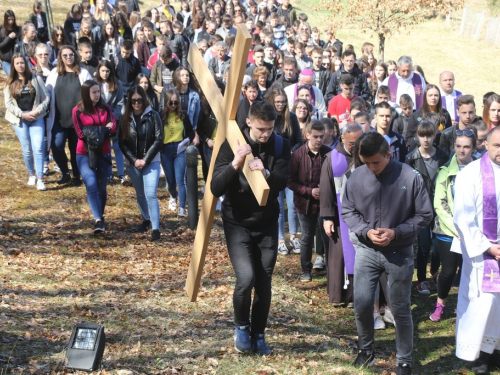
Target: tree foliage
x,y
386,17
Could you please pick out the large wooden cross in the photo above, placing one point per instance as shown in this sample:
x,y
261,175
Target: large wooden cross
x,y
224,108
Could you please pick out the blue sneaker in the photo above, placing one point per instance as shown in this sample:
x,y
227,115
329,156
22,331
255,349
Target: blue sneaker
x,y
242,342
259,345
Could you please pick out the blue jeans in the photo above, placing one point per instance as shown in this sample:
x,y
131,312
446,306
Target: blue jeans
x,y
207,152
30,135
368,266
174,166
95,182
145,182
293,220
59,137
120,165
6,67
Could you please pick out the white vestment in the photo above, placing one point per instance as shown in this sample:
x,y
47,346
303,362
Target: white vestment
x,y
405,86
478,313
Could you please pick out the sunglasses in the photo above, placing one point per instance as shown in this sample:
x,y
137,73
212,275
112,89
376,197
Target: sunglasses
x,y
467,133
173,103
136,101
68,56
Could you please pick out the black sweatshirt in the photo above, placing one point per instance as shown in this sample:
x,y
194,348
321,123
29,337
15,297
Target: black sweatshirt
x,y
240,205
396,199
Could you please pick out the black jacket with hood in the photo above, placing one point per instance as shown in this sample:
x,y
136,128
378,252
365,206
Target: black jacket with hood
x,y
361,87
240,206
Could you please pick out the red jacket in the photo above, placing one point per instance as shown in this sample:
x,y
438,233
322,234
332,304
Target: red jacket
x,y
98,118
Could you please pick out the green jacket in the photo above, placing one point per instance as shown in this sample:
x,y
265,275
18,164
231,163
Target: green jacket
x,y
443,199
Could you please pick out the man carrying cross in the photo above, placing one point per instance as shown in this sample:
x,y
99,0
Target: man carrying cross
x,y
477,217
251,230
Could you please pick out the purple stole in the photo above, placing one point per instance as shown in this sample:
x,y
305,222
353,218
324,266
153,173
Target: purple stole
x,y
311,90
443,101
491,273
339,167
416,81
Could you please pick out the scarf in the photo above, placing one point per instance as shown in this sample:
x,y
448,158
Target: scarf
x,y
491,273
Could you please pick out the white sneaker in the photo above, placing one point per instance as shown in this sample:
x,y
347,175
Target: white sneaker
x,y
182,212
172,204
319,263
295,245
282,249
378,322
40,185
388,317
32,181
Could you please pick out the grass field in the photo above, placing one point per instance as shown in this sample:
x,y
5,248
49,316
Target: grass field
x,y
55,273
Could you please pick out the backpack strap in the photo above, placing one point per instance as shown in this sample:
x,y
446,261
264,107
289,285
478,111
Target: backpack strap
x,y
278,145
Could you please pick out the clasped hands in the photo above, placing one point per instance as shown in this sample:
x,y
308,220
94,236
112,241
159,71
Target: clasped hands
x,y
381,236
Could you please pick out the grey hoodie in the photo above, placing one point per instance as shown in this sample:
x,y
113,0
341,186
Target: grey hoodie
x,y
396,199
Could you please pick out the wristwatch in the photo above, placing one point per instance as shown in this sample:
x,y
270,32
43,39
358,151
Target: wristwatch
x,y
266,173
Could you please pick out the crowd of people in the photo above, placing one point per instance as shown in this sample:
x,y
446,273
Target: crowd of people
x,y
365,156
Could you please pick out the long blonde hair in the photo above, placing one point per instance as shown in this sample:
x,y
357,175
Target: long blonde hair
x,y
102,15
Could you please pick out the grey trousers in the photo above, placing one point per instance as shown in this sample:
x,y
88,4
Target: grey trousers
x,y
368,266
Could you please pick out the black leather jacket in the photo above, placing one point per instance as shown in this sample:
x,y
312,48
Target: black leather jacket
x,y
151,140
415,160
180,46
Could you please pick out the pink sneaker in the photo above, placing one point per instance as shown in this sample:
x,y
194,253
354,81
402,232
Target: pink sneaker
x,y
435,315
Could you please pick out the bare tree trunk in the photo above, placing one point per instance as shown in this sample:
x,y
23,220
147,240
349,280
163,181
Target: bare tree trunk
x,y
381,46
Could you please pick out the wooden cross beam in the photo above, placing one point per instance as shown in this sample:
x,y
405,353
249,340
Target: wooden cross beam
x,y
224,108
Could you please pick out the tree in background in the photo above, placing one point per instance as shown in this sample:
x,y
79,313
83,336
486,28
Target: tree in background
x,y
386,17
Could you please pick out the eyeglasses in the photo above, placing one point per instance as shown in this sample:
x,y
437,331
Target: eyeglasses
x,y
43,55
173,103
301,109
68,56
467,133
136,101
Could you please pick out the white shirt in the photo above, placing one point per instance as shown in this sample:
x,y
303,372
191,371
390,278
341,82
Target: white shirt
x,y
39,21
450,102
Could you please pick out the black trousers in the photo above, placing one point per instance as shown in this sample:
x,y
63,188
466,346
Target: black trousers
x,y
450,262
253,255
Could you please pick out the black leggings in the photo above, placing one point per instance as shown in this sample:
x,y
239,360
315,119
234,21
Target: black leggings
x,y
450,262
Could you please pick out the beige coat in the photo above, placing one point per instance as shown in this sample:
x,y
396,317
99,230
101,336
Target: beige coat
x,y
42,100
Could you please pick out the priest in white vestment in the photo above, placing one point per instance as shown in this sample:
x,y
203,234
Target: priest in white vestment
x,y
478,224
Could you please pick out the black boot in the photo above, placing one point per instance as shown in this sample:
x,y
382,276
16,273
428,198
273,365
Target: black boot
x,y
65,178
480,365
